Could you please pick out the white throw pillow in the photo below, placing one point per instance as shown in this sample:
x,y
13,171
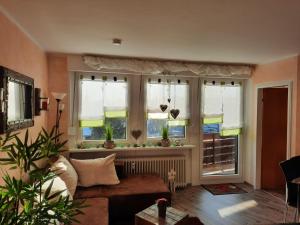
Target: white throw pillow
x,y
63,168
96,171
57,186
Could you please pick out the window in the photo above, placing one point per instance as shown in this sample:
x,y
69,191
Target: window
x,y
102,102
222,123
163,99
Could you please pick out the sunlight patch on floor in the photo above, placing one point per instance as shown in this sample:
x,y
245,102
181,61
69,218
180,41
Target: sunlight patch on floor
x,y
227,211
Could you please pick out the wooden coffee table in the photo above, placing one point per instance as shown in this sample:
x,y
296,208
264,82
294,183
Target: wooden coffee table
x,y
149,216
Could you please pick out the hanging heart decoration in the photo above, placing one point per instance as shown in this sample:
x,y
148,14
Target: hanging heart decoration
x,y
163,107
174,113
169,100
136,133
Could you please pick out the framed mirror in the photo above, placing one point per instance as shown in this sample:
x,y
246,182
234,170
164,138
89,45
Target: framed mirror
x,y
16,100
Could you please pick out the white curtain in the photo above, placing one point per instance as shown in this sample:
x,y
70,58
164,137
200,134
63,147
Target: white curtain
x,y
222,104
158,94
115,98
92,98
156,67
212,96
102,99
232,118
180,100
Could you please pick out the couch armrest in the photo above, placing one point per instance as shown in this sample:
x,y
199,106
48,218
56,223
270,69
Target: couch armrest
x,y
96,213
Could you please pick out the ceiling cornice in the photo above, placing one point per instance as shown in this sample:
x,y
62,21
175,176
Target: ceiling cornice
x,y
18,25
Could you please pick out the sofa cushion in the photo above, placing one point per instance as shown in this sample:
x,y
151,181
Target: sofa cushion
x,y
63,168
95,214
132,185
96,171
58,185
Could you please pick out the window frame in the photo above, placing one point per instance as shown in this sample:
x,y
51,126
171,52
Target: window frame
x,y
231,177
153,140
77,102
171,138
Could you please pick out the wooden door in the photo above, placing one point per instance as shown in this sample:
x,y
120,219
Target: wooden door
x,y
274,136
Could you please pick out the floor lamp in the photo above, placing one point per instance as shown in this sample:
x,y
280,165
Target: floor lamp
x,y
59,108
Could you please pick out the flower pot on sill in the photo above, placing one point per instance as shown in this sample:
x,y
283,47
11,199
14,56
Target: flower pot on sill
x,y
109,144
165,142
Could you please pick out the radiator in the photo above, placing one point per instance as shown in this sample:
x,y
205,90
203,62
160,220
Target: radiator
x,y
160,165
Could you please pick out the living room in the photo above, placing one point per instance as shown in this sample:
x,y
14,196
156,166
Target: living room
x,y
130,105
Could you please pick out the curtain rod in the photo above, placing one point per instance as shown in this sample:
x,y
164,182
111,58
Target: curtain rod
x,y
160,75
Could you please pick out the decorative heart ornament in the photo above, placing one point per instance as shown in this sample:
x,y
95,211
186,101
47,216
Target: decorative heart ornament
x,y
169,100
136,133
163,107
174,113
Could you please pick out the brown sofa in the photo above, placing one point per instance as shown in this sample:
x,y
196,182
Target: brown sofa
x,y
122,201
95,214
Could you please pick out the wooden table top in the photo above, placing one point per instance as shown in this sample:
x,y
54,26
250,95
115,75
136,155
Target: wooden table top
x,y
150,216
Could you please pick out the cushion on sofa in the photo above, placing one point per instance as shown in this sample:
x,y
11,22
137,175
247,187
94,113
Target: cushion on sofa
x,y
96,171
63,168
58,185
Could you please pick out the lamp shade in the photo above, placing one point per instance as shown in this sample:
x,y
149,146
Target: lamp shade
x,y
58,96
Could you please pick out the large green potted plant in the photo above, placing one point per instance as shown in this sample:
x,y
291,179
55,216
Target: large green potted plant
x,y
165,141
26,200
109,143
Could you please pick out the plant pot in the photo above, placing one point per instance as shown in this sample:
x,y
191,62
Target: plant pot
x,y
165,142
109,144
162,209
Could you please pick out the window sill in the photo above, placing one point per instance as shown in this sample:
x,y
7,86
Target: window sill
x,y
124,149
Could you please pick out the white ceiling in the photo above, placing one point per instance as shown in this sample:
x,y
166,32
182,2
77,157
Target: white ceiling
x,y
242,31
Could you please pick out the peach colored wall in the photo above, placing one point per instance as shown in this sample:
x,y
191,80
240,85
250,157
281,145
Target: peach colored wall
x,y
283,70
58,81
19,53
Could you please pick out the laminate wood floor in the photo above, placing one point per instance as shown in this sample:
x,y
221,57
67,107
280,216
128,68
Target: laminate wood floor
x,y
254,207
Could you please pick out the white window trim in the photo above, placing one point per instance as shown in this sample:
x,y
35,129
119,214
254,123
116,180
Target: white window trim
x,y
224,178
152,140
137,120
74,106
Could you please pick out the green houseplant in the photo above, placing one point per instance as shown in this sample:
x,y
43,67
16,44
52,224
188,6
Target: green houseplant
x,y
165,141
27,200
109,143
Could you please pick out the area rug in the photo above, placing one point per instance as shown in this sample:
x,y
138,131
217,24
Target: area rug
x,y
223,189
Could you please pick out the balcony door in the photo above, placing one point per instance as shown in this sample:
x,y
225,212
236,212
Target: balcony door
x,y
221,127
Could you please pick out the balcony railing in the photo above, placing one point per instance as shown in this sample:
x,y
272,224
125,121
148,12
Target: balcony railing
x,y
219,154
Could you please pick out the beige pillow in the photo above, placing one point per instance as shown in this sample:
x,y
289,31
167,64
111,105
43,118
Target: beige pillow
x,y
63,168
96,171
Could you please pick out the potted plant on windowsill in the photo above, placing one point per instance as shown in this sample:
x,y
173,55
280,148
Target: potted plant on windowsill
x,y
109,143
165,141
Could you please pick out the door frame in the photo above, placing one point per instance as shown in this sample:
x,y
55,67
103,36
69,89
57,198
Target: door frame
x,y
233,178
258,118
